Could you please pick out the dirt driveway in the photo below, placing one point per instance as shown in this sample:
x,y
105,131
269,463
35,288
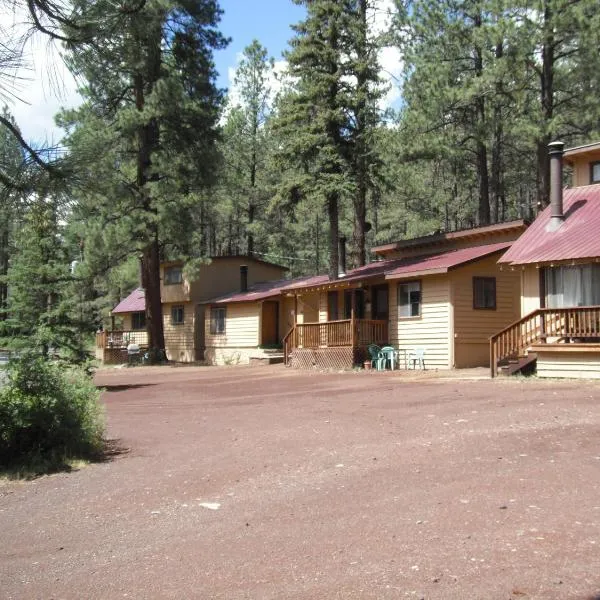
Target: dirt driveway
x,y
262,482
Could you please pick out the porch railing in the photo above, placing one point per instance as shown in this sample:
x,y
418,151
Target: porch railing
x,y
332,334
121,338
580,322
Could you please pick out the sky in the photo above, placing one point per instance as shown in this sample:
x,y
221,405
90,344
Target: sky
x,y
46,85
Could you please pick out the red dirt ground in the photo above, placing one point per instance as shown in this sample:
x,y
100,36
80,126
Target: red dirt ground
x,y
353,485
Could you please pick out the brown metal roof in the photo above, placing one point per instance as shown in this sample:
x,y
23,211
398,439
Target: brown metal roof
x,y
436,238
581,151
577,238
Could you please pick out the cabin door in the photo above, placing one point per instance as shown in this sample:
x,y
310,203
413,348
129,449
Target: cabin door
x,y
270,323
199,329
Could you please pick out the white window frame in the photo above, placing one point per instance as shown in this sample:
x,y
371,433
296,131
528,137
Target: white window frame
x,y
218,320
405,309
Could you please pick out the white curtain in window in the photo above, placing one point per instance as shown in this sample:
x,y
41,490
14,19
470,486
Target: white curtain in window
x,y
573,286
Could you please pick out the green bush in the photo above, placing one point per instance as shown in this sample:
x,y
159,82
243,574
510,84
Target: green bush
x,y
49,414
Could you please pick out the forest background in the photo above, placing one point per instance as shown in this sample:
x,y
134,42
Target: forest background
x,y
158,163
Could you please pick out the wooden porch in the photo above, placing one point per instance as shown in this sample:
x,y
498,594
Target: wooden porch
x,y
333,344
556,326
111,346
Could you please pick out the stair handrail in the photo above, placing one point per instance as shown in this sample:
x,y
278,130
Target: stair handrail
x,y
286,352
495,356
562,324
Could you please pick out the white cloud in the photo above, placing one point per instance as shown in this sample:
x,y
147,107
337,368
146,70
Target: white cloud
x,y
42,86
380,17
276,81
381,14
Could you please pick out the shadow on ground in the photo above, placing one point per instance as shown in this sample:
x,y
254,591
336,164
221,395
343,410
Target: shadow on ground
x,y
39,466
122,388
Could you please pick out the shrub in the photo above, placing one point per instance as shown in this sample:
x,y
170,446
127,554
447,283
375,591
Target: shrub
x,y
48,414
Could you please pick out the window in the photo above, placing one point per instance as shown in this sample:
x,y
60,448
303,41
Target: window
x,y
595,172
484,293
173,275
380,310
332,306
409,299
578,285
217,320
177,314
138,320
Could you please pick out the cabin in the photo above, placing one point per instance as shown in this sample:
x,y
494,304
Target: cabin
x,y
248,325
443,293
558,262
111,346
183,306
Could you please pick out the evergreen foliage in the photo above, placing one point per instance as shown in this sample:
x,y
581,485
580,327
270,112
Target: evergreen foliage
x,y
48,416
142,145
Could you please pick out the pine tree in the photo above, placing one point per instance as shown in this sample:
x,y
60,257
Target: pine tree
x,y
12,169
43,312
148,127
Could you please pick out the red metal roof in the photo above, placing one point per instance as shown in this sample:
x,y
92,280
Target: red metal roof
x,y
135,302
444,262
405,267
577,237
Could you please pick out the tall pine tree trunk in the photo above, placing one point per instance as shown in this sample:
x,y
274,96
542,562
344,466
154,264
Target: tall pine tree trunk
x,y
497,183
148,138
481,149
547,105
251,201
4,257
332,213
361,166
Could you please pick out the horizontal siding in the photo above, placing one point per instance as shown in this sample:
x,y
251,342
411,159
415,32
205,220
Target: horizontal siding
x,y
474,327
530,298
323,307
569,364
431,330
179,339
309,307
242,327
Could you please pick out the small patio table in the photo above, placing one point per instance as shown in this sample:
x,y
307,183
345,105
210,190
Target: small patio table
x,y
392,355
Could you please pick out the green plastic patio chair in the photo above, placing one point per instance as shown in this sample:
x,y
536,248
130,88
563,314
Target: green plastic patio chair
x,y
388,353
376,356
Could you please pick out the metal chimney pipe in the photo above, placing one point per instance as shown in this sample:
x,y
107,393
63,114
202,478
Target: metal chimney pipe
x,y
342,255
556,150
243,278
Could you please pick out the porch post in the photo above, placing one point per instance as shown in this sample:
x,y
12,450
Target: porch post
x,y
295,310
352,319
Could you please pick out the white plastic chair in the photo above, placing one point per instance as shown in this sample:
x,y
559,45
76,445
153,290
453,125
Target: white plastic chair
x,y
416,356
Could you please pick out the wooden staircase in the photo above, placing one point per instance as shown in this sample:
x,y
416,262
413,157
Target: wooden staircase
x,y
510,348
521,364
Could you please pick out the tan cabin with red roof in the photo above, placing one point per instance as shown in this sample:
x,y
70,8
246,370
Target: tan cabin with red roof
x,y
441,294
183,306
558,261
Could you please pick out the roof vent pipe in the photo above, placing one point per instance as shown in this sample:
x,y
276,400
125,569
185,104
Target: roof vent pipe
x,y
243,278
342,256
556,150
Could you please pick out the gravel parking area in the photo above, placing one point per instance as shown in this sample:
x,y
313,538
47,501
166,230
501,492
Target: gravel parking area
x,y
264,482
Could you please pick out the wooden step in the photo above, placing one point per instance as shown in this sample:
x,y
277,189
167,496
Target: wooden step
x,y
521,364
